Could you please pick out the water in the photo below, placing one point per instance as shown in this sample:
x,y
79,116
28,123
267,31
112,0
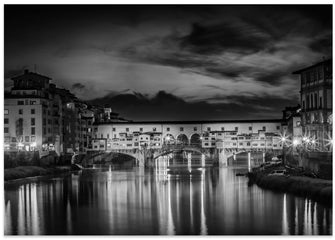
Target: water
x,y
138,201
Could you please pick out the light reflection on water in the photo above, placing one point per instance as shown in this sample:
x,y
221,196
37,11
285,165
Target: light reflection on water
x,y
163,201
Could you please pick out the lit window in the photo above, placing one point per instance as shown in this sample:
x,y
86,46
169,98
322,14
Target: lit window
x,y
298,123
6,112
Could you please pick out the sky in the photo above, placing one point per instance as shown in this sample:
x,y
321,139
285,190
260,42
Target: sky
x,y
180,62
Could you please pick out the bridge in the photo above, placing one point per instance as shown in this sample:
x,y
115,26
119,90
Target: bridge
x,y
153,157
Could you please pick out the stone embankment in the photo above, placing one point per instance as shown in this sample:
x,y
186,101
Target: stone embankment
x,y
317,189
33,171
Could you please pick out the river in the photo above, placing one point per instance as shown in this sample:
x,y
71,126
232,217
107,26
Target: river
x,y
140,201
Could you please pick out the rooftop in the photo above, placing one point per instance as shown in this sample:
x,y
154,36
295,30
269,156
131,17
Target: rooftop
x,y
328,61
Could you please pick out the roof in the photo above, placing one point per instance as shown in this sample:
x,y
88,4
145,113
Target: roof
x,y
312,66
195,122
30,74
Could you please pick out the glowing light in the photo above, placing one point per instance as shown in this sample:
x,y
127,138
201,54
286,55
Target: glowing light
x,y
33,144
308,140
313,141
295,142
20,144
168,138
283,139
304,139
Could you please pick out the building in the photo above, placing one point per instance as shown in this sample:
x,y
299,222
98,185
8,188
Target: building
x,y
246,134
38,116
316,102
32,120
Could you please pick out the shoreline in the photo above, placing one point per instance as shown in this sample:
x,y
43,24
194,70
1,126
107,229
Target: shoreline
x,y
25,172
319,190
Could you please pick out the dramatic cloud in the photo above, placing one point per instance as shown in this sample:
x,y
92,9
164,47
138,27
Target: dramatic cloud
x,y
214,58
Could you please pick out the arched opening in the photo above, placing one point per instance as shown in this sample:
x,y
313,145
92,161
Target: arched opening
x,y
169,139
182,139
195,140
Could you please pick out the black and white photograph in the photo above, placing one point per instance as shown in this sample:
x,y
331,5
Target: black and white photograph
x,y
167,119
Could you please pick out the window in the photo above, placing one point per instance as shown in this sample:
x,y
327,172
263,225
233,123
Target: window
x,y
49,130
6,112
26,138
33,122
298,123
222,128
32,102
113,129
240,144
208,129
250,128
141,129
6,121
264,128
20,102
107,135
127,129
278,127
206,144
6,130
32,111
168,129
320,103
33,131
181,129
20,111
102,135
236,128
248,143
44,131
154,129
49,121
195,129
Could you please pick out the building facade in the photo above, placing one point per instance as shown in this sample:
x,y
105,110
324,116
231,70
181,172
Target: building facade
x,y
253,134
316,103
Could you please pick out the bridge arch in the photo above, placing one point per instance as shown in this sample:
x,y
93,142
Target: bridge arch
x,y
195,139
182,139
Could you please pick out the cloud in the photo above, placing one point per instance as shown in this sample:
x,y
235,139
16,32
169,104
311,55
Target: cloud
x,y
78,86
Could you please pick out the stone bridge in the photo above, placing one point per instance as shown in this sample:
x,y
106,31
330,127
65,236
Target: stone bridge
x,y
150,157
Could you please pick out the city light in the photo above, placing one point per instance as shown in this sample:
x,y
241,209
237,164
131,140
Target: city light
x,y
283,139
313,141
20,144
33,144
295,142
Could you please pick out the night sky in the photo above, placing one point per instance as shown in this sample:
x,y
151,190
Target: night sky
x,y
171,62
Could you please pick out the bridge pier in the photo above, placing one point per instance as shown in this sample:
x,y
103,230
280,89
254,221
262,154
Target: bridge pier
x,y
223,159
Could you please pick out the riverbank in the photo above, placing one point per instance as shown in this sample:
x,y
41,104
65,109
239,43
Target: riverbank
x,y
33,171
317,189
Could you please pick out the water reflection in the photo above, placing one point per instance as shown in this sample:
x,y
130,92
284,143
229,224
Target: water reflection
x,y
165,201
